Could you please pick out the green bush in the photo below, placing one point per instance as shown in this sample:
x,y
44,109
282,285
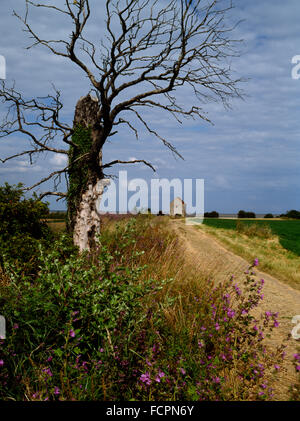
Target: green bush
x,y
21,227
243,214
294,214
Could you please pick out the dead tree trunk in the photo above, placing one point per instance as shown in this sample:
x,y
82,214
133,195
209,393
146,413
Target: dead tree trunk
x,y
86,180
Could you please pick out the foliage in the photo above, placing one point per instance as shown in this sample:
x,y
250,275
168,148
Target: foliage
x,y
294,214
107,327
269,215
21,226
78,170
243,214
212,214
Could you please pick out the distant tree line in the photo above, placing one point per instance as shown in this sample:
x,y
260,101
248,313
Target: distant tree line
x,y
294,214
243,214
212,214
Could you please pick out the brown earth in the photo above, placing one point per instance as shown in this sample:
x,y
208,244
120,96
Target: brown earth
x,y
220,263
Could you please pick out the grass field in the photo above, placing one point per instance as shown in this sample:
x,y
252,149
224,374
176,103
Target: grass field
x,y
288,231
278,253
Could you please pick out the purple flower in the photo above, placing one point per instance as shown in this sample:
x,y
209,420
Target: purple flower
x,y
277,367
72,333
1,363
16,326
298,367
255,263
276,323
262,281
217,326
101,350
145,378
230,313
182,371
49,359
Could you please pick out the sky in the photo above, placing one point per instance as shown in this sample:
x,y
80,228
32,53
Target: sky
x,y
249,157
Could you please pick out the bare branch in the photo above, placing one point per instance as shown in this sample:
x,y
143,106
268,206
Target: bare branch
x,y
117,161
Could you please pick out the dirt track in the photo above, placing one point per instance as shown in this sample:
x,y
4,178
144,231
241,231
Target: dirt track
x,y
219,262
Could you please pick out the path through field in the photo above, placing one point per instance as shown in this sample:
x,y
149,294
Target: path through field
x,y
217,261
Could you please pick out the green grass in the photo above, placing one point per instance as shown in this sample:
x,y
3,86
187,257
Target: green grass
x,y
288,232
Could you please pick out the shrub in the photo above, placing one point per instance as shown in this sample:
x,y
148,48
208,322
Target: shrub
x,y
243,214
294,214
212,214
269,215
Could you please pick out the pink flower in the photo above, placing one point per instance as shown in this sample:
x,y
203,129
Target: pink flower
x,y
56,391
255,263
277,367
145,378
182,371
72,333
1,363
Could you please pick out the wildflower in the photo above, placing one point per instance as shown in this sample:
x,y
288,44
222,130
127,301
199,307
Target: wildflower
x,y
56,391
72,333
16,326
262,281
255,263
216,379
230,313
217,326
200,344
49,359
297,367
159,376
244,312
145,378
182,371
1,363
277,367
255,327
47,371
101,350
276,323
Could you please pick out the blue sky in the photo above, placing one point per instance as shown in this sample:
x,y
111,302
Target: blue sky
x,y
249,158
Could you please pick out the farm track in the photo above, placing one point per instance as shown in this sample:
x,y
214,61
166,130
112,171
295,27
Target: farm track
x,y
215,261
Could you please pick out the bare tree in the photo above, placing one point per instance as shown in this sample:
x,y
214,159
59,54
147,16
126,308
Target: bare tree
x,y
151,50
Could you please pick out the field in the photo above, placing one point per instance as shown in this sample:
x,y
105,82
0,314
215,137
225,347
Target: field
x,y
287,231
278,251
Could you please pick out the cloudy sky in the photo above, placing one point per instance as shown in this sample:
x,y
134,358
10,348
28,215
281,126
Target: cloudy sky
x,y
250,156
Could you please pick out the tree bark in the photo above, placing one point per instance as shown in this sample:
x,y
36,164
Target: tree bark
x,y
87,220
86,163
